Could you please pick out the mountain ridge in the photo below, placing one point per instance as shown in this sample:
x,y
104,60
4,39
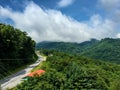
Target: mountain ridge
x,y
107,49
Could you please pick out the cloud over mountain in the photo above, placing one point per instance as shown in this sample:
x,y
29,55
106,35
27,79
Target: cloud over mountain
x,y
53,25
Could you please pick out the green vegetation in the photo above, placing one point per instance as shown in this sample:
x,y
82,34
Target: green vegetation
x,y
73,72
16,49
66,69
74,48
107,49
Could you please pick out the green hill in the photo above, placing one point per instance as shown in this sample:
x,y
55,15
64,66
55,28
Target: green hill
x,y
67,47
16,49
73,72
107,49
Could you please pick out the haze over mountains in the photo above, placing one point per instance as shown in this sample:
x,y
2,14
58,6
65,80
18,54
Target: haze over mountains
x,y
78,21
107,49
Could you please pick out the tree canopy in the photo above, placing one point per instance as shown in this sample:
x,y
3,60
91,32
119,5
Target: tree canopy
x,y
73,72
16,49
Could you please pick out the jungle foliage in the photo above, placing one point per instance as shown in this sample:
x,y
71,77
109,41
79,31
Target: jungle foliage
x,y
73,72
107,49
16,49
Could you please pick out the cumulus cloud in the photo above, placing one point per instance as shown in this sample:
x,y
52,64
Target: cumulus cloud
x,y
110,4
52,25
64,3
111,7
118,35
112,10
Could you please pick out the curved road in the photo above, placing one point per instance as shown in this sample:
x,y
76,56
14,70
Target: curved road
x,y
15,79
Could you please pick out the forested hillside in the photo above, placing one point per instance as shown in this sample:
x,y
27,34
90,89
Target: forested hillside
x,y
73,72
16,49
107,49
74,48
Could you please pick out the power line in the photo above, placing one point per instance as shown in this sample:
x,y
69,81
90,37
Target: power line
x,y
16,59
1,76
6,71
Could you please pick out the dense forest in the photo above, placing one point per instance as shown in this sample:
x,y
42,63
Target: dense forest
x,y
73,72
68,47
16,49
107,49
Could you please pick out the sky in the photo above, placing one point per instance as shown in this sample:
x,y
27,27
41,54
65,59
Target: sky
x,y
63,20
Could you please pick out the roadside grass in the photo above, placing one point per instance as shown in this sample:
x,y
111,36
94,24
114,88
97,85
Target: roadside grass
x,y
23,67
11,72
40,65
37,67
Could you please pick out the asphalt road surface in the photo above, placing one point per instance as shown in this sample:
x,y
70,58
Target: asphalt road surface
x,y
15,79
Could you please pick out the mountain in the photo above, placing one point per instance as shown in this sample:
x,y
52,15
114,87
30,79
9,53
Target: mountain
x,y
67,47
107,49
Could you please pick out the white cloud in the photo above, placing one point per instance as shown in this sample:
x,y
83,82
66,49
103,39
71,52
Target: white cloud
x,y
111,7
64,3
118,35
52,25
110,4
112,10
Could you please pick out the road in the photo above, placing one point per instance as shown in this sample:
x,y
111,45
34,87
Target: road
x,y
15,79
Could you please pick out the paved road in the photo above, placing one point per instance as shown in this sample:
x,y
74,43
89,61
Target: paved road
x,y
15,79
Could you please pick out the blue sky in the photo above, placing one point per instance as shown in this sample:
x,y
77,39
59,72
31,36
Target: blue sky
x,y
63,20
80,9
